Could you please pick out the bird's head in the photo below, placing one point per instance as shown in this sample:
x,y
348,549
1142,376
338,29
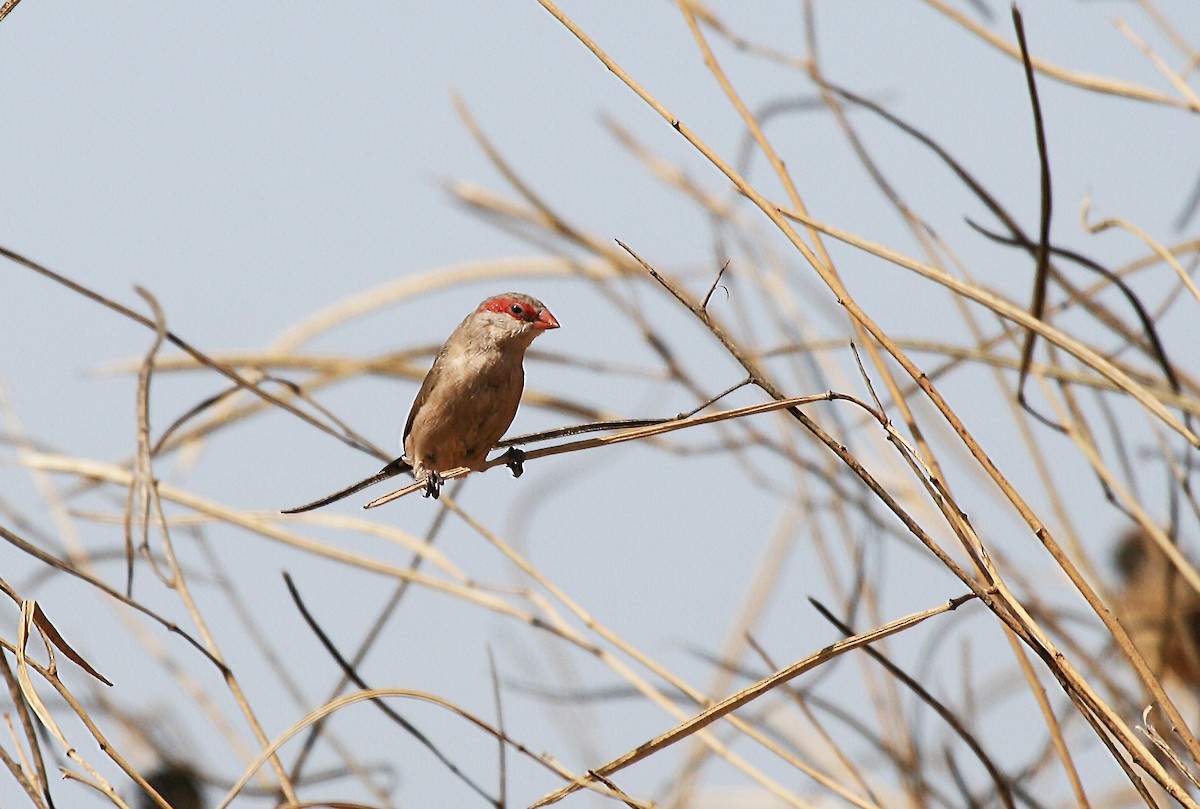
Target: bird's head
x,y
522,309
514,317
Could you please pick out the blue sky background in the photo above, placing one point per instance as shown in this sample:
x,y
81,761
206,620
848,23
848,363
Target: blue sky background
x,y
252,163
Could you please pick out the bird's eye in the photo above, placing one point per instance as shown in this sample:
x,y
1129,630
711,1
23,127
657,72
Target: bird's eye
x,y
517,310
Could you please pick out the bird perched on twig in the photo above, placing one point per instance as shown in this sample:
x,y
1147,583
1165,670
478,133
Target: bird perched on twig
x,y
469,397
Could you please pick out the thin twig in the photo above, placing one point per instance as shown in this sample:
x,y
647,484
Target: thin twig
x,y
747,695
352,675
1037,307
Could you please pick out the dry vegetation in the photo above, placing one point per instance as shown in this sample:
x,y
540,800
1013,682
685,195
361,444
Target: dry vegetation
x,y
857,441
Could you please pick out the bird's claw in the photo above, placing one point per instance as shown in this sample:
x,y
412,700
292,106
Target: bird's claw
x,y
433,485
514,459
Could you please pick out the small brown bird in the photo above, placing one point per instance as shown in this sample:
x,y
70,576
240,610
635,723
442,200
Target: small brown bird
x,y
1159,610
177,784
469,397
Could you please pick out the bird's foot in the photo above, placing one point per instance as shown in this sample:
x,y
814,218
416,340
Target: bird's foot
x,y
433,485
514,459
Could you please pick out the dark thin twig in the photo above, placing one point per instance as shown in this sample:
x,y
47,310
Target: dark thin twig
x,y
761,380
618,424
179,342
1189,207
747,149
400,465
1037,308
1157,350
396,467
998,778
31,736
66,567
866,379
381,619
802,697
142,479
620,793
502,752
581,429
296,390
976,188
387,710
968,800
713,288
749,380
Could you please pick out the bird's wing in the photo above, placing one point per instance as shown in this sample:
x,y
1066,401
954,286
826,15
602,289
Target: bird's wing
x,y
423,394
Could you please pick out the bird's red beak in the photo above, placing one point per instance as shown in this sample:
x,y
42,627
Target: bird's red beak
x,y
545,320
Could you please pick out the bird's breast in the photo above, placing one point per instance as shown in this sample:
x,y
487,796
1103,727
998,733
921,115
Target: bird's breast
x,y
467,411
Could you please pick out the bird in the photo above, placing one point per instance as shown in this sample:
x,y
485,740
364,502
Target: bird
x,y
1159,610
178,784
468,398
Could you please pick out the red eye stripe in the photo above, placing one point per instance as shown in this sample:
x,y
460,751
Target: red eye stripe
x,y
510,306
